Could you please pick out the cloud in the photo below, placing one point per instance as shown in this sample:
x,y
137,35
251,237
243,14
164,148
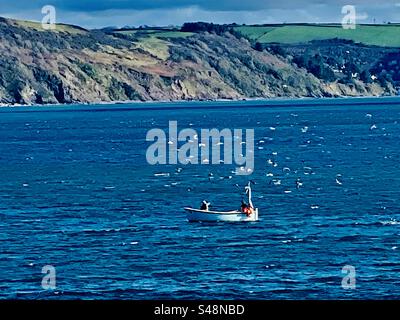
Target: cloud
x,y
207,5
99,13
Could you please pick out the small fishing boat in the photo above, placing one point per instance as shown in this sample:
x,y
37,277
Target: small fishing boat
x,y
248,213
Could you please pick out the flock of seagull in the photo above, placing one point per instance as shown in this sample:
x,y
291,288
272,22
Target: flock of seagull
x,y
272,163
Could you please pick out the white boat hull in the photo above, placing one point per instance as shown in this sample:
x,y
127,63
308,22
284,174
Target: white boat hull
x,y
195,215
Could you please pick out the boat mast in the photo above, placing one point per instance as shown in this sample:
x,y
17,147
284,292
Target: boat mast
x,y
248,191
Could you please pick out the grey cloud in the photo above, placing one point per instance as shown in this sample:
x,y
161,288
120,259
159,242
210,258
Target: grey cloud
x,y
100,13
211,5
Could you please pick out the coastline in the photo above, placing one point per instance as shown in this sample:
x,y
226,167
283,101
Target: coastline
x,y
267,102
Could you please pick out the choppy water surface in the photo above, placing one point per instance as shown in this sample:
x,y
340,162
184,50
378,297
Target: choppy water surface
x,y
77,193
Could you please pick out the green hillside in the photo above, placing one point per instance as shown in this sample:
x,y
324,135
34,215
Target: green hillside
x,y
378,35
200,61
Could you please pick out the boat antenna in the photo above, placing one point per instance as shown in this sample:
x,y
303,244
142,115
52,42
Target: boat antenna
x,y
248,192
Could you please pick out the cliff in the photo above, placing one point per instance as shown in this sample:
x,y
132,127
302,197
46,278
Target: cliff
x,y
74,65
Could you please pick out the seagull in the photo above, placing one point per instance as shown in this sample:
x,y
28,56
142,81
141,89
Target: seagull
x,y
272,163
304,130
277,182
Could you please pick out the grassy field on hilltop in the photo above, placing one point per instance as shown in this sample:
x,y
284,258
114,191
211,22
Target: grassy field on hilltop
x,y
157,33
378,35
254,32
172,34
154,41
37,26
155,46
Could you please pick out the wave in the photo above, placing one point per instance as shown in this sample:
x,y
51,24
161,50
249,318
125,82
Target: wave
x,y
97,231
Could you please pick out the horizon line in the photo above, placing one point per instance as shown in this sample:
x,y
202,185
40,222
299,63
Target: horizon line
x,y
145,26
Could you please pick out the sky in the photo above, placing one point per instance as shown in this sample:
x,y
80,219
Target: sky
x,y
120,13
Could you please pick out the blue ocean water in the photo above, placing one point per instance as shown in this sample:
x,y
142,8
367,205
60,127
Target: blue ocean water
x,y
77,193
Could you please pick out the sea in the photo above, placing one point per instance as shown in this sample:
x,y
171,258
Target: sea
x,y
83,215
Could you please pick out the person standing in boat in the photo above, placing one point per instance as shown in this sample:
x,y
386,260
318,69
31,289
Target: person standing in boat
x,y
244,206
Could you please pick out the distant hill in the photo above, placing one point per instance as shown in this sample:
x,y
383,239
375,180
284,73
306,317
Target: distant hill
x,y
198,62
376,35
